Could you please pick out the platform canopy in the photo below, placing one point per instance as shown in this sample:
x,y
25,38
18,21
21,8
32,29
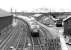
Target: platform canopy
x,y
4,13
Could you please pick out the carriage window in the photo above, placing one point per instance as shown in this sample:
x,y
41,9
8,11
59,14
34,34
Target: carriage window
x,y
35,34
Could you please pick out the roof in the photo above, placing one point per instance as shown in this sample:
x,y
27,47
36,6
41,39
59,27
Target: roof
x,y
37,15
4,13
67,18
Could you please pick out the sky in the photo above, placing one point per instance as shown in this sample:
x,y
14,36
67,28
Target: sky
x,y
29,5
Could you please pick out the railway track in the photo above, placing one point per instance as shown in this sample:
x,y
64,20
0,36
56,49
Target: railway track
x,y
15,40
51,41
8,42
8,38
21,40
18,40
36,44
6,34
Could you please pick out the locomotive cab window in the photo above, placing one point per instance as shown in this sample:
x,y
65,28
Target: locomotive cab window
x,y
35,33
59,23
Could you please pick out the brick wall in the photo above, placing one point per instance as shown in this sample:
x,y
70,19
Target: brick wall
x,y
5,21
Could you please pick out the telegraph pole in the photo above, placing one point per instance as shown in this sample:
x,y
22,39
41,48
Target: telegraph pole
x,y
14,18
11,11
